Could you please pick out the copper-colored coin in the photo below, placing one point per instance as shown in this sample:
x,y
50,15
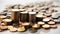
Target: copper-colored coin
x,y
41,23
21,29
53,26
3,27
35,26
12,29
51,22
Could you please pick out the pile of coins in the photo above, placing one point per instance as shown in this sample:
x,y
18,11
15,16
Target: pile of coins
x,y
30,17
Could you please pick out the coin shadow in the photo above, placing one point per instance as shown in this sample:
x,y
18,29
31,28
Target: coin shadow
x,y
45,31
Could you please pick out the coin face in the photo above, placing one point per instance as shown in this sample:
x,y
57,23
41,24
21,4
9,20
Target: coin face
x,y
7,20
32,12
46,26
11,28
3,27
40,16
46,19
21,29
47,14
41,23
25,24
24,12
54,15
35,26
3,16
42,12
3,24
51,22
53,26
56,20
14,10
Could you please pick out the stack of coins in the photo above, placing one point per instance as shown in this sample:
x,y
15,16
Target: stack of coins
x,y
32,17
15,15
23,17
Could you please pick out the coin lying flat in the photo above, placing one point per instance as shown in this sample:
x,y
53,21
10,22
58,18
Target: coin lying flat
x,y
40,16
3,24
12,29
53,26
35,26
46,26
7,20
51,22
3,27
2,16
21,29
54,15
41,23
25,24
46,19
56,20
